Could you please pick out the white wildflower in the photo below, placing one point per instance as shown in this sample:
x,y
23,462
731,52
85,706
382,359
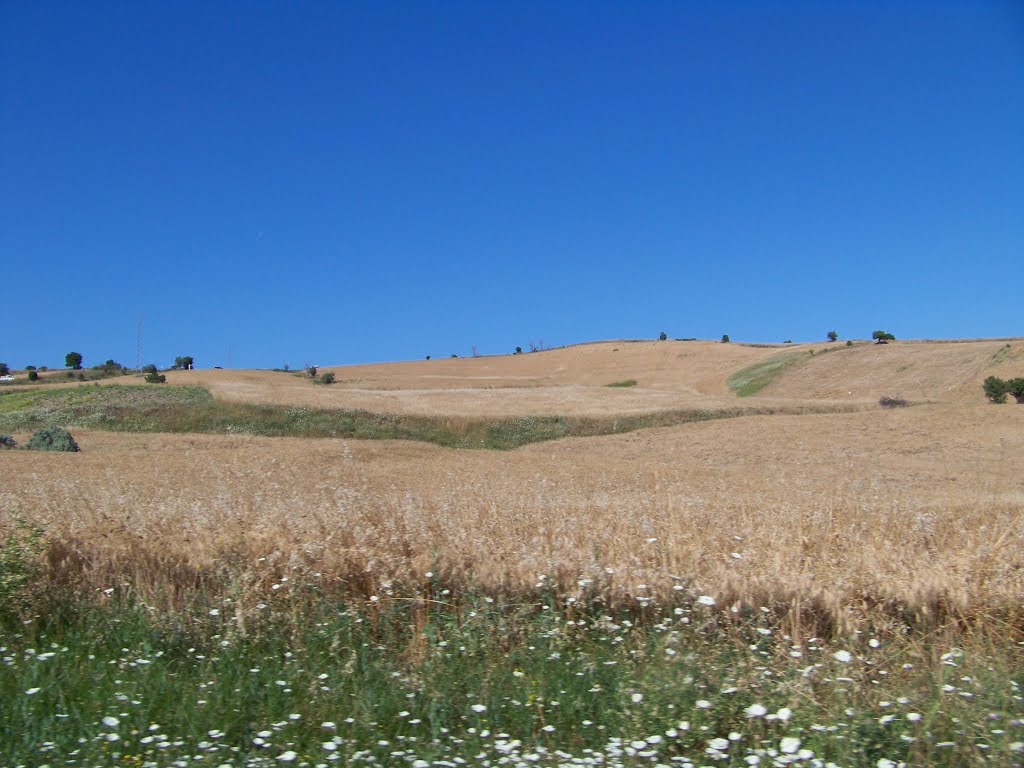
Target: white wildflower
x,y
789,745
843,656
756,710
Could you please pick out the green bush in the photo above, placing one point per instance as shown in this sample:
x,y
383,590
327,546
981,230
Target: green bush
x,y
52,439
327,378
831,335
662,336
33,376
155,378
996,389
725,338
311,370
6,441
1016,388
849,343
4,369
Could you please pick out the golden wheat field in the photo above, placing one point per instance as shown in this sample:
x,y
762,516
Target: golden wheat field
x,y
875,515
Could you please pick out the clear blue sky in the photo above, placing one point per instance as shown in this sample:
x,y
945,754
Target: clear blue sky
x,y
340,182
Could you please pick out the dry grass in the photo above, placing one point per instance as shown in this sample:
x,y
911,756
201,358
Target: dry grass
x,y
565,382
884,516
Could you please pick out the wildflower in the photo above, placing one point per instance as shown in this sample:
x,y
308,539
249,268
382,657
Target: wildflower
x,y
843,656
1017,746
330,746
706,600
703,704
287,757
637,698
755,710
32,691
110,722
479,708
913,716
719,744
789,745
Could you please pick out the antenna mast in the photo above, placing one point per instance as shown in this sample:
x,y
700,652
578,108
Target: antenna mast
x,y
138,345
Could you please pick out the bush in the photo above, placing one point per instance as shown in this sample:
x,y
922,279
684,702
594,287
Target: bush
x,y
311,370
1016,388
6,441
725,338
892,402
327,378
996,389
149,368
52,439
831,335
33,376
4,369
662,336
519,351
849,343
155,378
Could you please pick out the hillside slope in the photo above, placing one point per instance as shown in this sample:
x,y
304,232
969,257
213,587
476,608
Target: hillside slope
x,y
950,371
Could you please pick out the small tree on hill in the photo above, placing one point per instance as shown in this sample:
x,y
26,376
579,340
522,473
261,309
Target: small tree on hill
x,y
1016,388
996,389
662,336
4,369
73,360
725,338
882,336
832,336
183,363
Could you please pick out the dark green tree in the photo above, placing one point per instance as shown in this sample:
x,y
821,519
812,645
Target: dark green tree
x,y
996,389
73,360
832,335
725,338
662,336
1016,388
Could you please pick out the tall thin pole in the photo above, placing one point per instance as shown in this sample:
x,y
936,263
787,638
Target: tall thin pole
x,y
138,345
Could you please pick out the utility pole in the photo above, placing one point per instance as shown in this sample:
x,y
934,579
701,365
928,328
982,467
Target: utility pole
x,y
138,345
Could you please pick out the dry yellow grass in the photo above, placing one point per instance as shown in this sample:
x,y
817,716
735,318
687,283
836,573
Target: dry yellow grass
x,y
571,381
846,518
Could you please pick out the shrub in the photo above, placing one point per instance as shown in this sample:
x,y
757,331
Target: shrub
x,y
4,369
892,402
73,360
725,338
6,441
33,376
849,343
311,370
996,389
428,357
327,378
149,368
662,336
519,351
155,378
52,439
1016,388
831,335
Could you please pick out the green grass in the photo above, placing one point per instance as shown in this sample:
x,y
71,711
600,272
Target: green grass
x,y
626,383
152,408
245,680
752,379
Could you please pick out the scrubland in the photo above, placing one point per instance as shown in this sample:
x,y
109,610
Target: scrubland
x,y
795,588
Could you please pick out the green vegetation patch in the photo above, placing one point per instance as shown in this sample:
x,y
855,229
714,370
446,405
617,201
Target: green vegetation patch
x,y
752,379
192,409
626,383
261,677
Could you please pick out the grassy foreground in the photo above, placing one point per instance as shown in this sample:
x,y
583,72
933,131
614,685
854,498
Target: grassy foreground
x,y
150,408
443,679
